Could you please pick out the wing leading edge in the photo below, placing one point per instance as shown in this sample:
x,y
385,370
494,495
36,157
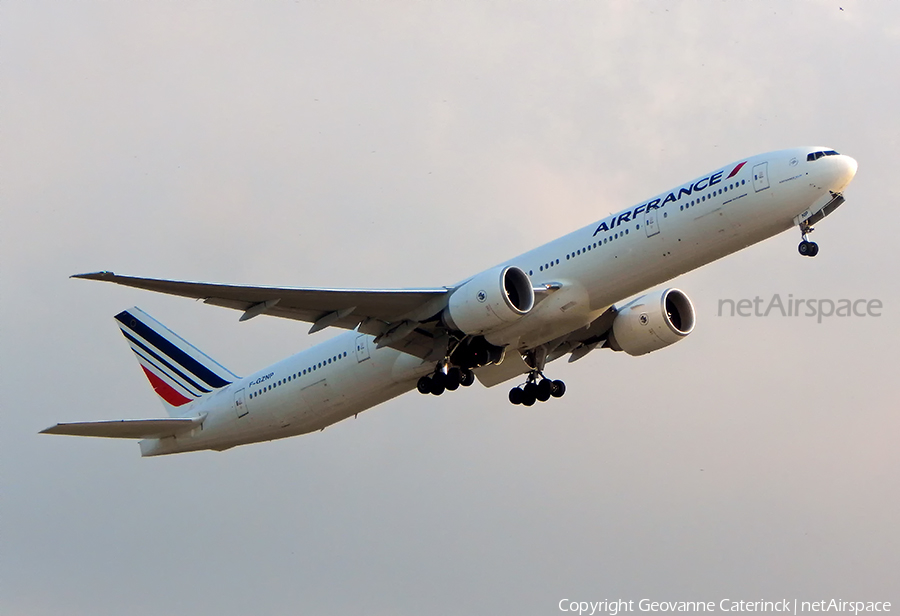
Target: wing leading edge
x,y
344,308
384,313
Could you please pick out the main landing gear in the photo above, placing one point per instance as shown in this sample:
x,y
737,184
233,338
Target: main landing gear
x,y
806,247
536,390
445,379
537,386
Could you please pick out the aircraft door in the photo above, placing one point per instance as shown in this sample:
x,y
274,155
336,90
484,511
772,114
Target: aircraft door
x,y
362,348
761,176
651,222
240,404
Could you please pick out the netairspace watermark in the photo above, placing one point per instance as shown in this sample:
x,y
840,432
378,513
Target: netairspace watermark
x,y
782,606
790,307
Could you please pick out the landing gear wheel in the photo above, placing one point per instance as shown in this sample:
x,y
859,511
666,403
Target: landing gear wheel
x,y
808,249
559,389
543,390
424,385
437,388
516,395
452,380
529,394
467,377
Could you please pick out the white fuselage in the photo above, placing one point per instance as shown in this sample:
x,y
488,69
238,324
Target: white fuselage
x,y
596,266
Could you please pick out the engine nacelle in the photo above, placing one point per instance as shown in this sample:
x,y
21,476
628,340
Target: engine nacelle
x,y
651,322
490,300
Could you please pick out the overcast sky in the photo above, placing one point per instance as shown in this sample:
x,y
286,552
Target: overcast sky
x,y
406,144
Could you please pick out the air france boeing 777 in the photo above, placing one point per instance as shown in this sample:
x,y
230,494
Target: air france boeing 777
x,y
508,321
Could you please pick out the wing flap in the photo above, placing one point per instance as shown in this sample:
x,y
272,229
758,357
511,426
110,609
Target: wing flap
x,y
493,374
128,428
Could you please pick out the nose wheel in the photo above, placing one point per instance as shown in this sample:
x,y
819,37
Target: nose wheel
x,y
806,247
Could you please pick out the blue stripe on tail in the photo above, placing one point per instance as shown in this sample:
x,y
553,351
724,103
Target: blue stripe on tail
x,y
187,362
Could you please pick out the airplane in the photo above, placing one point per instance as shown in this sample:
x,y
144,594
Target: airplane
x,y
561,299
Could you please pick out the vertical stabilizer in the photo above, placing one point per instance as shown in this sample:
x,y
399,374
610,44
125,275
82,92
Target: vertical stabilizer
x,y
179,372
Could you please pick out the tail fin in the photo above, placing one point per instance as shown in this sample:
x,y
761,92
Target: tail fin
x,y
178,371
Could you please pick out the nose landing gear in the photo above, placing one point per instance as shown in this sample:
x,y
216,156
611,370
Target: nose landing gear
x,y
806,247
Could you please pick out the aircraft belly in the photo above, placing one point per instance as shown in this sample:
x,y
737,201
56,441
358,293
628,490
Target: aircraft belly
x,y
386,374
556,315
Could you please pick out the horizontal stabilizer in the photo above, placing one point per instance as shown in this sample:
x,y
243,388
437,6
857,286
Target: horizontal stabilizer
x,y
128,428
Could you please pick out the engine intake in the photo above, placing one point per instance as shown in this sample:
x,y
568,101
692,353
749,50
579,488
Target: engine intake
x,y
651,322
489,301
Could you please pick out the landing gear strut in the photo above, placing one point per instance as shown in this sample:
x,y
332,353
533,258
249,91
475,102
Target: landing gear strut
x,y
806,247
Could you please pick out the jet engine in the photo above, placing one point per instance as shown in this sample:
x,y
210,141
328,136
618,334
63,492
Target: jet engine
x,y
651,322
490,300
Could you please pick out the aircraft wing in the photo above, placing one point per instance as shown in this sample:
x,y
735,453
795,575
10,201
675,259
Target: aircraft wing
x,y
394,315
345,308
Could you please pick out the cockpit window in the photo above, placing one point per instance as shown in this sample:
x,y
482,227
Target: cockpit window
x,y
817,155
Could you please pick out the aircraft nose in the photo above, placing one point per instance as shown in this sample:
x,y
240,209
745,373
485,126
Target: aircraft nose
x,y
845,170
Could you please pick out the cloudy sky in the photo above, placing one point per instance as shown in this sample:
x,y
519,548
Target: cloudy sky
x,y
415,143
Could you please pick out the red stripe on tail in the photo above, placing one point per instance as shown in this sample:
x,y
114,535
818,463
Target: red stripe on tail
x,y
164,390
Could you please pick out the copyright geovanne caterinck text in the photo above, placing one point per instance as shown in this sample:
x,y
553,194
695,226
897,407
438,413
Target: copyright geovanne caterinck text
x,y
781,606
